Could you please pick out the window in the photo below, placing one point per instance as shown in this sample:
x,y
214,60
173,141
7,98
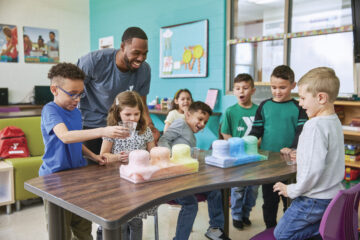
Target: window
x,y
303,34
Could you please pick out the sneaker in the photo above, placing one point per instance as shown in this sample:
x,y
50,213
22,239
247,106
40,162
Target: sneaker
x,y
238,224
99,233
246,221
216,234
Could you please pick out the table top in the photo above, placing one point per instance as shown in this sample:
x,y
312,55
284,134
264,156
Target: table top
x,y
23,113
98,194
165,112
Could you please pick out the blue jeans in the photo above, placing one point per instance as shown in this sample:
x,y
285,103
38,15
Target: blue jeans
x,y
302,219
243,199
189,208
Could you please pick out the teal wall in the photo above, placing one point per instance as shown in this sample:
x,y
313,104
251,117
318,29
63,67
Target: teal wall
x,y
112,17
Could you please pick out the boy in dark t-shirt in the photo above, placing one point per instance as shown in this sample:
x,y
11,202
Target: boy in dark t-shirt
x,y
278,122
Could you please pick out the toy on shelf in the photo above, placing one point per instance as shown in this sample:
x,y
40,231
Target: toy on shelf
x,y
234,151
144,166
351,174
352,152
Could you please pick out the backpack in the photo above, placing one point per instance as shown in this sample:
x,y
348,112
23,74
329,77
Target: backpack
x,y
13,143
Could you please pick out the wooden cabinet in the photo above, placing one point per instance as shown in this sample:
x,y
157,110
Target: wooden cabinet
x,y
349,110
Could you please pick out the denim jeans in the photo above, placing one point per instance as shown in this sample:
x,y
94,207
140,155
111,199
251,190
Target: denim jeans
x,y
132,230
302,219
243,199
189,208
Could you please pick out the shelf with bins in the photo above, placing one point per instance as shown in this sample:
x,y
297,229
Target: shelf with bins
x,y
349,110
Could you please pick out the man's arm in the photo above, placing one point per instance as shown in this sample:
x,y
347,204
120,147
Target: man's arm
x,y
154,131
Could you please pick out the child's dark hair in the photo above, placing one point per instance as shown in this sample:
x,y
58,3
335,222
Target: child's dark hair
x,y
244,77
65,70
133,32
127,99
198,105
177,95
284,72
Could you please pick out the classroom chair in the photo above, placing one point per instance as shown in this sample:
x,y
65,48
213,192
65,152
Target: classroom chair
x,y
340,219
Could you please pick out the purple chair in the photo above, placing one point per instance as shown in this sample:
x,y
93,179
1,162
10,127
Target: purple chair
x,y
340,219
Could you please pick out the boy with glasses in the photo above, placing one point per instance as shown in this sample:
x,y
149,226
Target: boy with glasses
x,y
62,133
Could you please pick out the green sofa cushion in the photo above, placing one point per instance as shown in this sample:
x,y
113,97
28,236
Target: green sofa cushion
x,y
24,169
31,128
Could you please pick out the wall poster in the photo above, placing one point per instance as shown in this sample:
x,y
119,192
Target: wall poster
x,y
184,50
41,45
8,43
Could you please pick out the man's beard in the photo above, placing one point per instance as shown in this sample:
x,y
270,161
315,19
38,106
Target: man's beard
x,y
128,64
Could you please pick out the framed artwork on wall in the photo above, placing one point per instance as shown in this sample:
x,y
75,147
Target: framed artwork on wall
x,y
41,45
8,43
184,50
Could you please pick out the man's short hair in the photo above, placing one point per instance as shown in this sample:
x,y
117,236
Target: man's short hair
x,y
244,77
133,32
65,70
52,33
200,106
321,79
284,72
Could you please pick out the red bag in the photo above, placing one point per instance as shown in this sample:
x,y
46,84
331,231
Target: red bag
x,y
13,143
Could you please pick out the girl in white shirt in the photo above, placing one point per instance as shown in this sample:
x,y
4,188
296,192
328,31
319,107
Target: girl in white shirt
x,y
180,104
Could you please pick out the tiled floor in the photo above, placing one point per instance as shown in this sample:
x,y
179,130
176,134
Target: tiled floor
x,y
29,223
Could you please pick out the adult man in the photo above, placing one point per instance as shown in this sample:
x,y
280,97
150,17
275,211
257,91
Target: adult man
x,y
52,44
109,72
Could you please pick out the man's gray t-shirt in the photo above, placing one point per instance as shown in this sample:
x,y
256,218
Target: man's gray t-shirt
x,y
104,81
179,132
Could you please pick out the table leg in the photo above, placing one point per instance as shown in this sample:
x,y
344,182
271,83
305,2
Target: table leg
x,y
109,234
226,208
56,222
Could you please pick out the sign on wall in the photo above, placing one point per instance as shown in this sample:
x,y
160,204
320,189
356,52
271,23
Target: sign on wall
x,y
8,43
184,50
41,45
106,42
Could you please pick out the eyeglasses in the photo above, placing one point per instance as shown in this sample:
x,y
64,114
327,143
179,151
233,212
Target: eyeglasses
x,y
73,96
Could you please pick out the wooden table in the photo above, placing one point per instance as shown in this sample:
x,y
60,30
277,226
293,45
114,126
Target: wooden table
x,y
98,194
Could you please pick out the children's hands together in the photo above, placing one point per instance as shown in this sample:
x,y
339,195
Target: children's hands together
x,y
122,157
116,132
99,159
281,189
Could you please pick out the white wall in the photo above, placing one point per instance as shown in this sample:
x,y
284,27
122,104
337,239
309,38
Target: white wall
x,y
70,18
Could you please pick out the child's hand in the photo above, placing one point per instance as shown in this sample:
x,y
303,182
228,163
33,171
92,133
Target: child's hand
x,y
281,189
293,155
123,157
116,132
100,159
286,150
